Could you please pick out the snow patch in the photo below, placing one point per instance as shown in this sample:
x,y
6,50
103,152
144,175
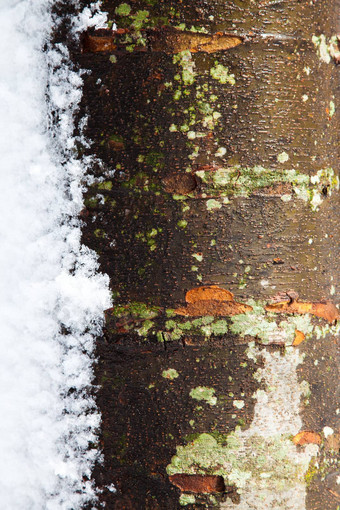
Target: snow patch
x,y
53,296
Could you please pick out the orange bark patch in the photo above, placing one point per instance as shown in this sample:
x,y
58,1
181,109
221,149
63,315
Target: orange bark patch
x,y
208,293
327,311
211,300
179,183
98,43
307,437
299,337
198,483
176,41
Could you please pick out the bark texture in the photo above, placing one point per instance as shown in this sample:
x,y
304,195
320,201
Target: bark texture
x,y
215,212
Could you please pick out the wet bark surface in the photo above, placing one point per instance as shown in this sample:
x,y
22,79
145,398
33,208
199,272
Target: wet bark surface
x,y
214,171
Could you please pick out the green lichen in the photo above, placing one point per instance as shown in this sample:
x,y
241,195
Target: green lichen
x,y
219,327
204,393
170,373
146,326
187,499
243,181
213,204
182,223
221,74
264,326
185,61
228,456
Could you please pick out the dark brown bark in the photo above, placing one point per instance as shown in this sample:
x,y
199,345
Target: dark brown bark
x,y
213,152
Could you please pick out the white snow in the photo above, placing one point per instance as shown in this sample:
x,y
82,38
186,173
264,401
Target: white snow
x,y
48,279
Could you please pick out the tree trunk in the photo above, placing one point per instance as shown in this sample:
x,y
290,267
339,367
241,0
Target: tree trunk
x,y
215,213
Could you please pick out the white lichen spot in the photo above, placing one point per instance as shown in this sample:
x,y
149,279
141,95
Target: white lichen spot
x,y
213,204
282,157
198,256
305,98
111,488
307,70
331,108
320,44
316,200
238,404
204,393
221,151
286,198
332,291
327,431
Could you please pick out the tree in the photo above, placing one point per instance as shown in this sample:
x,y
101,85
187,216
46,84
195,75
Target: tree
x,y
215,214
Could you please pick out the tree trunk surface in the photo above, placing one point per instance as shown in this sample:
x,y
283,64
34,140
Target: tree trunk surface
x,y
215,211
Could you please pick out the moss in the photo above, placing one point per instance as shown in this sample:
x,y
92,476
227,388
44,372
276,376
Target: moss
x,y
91,202
204,393
99,233
123,10
107,185
136,309
311,473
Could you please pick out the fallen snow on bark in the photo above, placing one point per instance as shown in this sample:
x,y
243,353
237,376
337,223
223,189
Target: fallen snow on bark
x,y
53,296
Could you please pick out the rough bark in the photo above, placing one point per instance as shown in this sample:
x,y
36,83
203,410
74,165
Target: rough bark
x,y
215,213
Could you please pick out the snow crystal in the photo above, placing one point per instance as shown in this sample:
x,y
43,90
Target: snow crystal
x,y
49,281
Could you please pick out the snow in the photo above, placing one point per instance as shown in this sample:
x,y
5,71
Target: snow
x,y
48,279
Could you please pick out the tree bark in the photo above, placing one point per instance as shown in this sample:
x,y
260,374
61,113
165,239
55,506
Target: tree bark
x,y
215,213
